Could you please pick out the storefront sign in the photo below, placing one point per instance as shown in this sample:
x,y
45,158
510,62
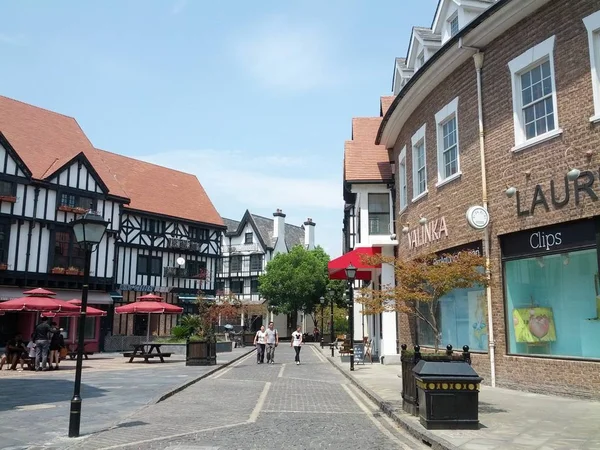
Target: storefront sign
x,y
559,196
556,238
144,288
432,231
478,217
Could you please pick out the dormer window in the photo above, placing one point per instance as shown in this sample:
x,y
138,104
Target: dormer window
x,y
453,26
421,59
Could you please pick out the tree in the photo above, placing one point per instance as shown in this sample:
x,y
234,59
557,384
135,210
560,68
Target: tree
x,y
296,280
421,283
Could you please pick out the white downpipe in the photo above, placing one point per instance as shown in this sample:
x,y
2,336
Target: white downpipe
x,y
478,57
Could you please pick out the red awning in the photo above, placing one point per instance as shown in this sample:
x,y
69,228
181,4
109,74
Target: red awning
x,y
338,266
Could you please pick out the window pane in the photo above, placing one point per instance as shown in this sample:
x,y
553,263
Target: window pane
x,y
142,264
379,203
546,69
529,116
90,328
526,96
550,301
530,130
540,126
85,202
526,80
236,263
6,188
536,75
156,266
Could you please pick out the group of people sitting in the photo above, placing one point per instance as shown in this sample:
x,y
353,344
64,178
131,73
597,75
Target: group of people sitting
x,y
45,348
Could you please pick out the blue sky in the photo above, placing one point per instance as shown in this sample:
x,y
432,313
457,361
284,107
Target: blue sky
x,y
254,97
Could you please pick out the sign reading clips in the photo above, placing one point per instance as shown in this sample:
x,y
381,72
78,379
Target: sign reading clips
x,y
478,217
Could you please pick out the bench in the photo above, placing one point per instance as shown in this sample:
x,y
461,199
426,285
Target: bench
x,y
73,355
146,356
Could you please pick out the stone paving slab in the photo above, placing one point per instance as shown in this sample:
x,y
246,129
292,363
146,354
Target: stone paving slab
x,y
111,390
509,419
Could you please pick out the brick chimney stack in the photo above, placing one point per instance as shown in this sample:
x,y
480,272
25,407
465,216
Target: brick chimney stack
x,y
309,234
279,224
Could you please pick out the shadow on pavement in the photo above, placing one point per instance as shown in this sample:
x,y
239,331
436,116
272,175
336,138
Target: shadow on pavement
x,y
33,391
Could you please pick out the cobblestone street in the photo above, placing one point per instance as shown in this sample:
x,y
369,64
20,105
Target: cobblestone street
x,y
247,406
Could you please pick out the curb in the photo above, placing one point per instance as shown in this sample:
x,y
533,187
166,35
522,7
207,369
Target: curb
x,y
187,384
415,430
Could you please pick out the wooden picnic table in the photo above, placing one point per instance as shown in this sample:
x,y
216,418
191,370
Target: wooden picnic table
x,y
146,350
72,350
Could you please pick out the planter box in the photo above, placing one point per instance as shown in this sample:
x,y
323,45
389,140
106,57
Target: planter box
x,y
59,271
3,266
8,198
72,272
201,353
223,347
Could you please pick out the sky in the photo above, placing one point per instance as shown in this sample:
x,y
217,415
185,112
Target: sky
x,y
255,98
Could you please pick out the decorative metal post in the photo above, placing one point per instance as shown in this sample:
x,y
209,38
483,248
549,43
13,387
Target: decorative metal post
x,y
350,276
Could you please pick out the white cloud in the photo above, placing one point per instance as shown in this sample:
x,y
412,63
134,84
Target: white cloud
x,y
255,181
179,6
284,55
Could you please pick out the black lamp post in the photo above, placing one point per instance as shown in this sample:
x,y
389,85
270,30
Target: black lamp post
x,y
331,330
322,300
350,276
89,231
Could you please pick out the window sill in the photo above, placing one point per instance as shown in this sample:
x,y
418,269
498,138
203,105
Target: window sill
x,y
595,119
537,140
456,176
420,196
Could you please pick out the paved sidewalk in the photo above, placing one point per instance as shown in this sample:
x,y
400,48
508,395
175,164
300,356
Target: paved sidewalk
x,y
509,419
112,390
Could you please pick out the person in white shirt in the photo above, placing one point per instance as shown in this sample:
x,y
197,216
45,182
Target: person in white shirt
x,y
297,344
260,340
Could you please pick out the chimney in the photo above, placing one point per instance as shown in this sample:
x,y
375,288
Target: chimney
x,y
279,224
309,234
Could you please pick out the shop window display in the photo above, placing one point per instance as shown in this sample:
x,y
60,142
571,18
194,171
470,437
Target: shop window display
x,y
462,320
552,305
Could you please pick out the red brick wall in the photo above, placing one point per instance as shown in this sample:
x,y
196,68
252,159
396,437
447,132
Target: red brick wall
x,y
545,161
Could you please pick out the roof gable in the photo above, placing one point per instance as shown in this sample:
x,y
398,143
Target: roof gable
x,y
363,160
12,158
79,159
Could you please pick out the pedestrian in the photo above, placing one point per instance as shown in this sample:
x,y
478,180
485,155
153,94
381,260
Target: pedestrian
x,y
14,351
316,335
272,342
260,341
297,344
57,341
42,335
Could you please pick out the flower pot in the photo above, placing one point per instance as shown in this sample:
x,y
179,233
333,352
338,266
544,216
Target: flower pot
x,y
201,353
3,266
58,271
80,210
8,198
65,208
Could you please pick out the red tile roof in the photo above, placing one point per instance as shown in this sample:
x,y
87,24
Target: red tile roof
x,y
363,160
160,190
386,102
46,141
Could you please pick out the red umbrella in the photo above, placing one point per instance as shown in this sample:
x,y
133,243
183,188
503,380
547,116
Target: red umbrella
x,y
38,300
90,311
149,304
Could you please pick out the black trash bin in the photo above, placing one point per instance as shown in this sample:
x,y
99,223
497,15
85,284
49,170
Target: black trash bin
x,y
448,394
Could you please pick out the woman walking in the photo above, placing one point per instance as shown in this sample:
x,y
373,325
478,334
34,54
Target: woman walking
x,y
297,343
260,340
56,343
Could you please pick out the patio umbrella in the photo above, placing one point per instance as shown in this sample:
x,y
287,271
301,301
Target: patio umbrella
x,y
149,304
90,311
38,300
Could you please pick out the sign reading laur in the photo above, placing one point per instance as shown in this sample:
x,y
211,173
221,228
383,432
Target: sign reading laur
x,y
432,231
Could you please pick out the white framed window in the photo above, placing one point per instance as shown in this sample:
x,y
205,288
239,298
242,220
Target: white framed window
x,y
592,24
448,155
453,23
534,95
419,164
402,180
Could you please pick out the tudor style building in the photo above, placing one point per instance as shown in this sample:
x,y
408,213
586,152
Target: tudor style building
x,y
504,114
248,245
50,173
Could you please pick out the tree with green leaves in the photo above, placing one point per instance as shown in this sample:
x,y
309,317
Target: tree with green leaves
x,y
295,281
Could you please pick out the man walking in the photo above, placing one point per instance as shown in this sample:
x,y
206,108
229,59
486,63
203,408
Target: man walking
x,y
272,342
260,341
41,337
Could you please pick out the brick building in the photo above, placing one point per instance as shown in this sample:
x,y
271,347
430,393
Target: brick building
x,y
495,107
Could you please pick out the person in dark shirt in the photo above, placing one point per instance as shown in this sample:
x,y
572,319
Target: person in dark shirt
x,y
42,335
14,351
56,343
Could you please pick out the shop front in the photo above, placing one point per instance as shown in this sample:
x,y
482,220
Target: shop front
x,y
552,291
461,314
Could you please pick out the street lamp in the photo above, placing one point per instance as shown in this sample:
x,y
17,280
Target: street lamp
x,y
322,300
330,292
89,231
350,276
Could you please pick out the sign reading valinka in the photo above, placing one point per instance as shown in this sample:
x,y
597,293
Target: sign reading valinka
x,y
432,231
